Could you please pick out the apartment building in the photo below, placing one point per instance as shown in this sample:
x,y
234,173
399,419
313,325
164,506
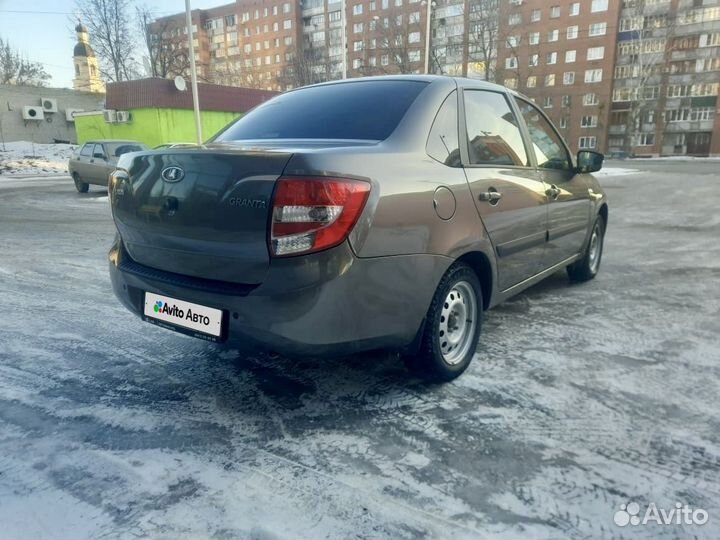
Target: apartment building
x,y
247,43
561,53
666,78
276,45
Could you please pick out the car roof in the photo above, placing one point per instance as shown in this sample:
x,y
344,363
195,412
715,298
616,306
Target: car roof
x,y
100,141
459,81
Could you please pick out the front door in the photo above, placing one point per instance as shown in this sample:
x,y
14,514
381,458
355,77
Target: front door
x,y
509,197
699,144
569,193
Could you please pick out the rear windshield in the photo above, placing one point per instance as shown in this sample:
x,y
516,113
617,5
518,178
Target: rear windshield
x,y
118,149
358,111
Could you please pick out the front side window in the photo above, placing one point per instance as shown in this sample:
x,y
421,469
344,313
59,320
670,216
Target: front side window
x,y
87,150
363,110
549,149
442,144
492,130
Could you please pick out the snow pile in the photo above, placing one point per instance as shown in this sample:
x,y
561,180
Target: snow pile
x,y
26,158
615,171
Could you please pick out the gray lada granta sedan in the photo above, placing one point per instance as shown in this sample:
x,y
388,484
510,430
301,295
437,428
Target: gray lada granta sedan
x,y
384,212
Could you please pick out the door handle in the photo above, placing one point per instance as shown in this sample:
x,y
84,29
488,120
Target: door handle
x,y
553,191
490,196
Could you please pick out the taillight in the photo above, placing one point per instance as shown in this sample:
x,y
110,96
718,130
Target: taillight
x,y
310,214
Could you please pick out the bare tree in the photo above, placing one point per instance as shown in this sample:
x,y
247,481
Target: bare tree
x,y
640,69
165,46
309,65
481,39
398,42
108,22
14,69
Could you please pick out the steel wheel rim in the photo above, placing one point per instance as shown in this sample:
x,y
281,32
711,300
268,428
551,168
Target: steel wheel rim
x,y
458,320
595,248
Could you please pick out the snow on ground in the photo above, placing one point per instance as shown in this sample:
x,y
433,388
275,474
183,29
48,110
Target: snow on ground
x,y
615,171
27,158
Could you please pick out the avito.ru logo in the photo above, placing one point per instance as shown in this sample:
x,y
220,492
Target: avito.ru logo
x,y
164,308
682,514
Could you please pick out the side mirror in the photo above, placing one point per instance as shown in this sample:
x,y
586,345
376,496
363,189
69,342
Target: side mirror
x,y
589,161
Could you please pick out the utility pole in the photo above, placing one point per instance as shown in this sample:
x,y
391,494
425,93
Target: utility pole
x,y
427,35
343,37
193,73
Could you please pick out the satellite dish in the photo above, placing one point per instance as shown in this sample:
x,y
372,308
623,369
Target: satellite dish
x,y
180,83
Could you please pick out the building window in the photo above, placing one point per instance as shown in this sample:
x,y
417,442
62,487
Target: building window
x,y
575,9
77,69
587,143
598,5
566,101
563,123
646,139
569,77
547,102
593,75
536,15
572,32
532,81
414,37
588,121
555,12
357,63
358,28
534,60
357,9
596,53
335,16
553,35
357,46
511,63
551,58
511,83
550,79
514,19
287,24
702,113
598,29
534,38
512,41
286,7
590,99
569,57
385,59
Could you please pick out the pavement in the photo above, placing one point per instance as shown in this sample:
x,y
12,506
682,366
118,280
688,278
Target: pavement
x,y
582,398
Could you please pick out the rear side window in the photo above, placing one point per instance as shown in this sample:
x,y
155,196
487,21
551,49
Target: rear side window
x,y
87,150
358,111
492,129
124,149
442,144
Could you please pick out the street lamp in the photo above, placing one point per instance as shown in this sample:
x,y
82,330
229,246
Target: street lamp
x,y
193,73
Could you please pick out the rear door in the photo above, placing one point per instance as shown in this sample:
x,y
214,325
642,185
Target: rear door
x,y
82,160
569,198
509,196
97,165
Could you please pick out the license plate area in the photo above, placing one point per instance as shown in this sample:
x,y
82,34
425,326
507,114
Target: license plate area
x,y
185,317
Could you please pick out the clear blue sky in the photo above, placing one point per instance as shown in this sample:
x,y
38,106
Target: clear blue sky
x,y
49,37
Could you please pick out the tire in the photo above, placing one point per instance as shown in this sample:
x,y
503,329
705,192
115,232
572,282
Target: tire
x,y
447,346
81,186
587,268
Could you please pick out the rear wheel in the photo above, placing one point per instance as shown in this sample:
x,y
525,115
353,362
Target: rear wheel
x,y
81,186
452,326
587,268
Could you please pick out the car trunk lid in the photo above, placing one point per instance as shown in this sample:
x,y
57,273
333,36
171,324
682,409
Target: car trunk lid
x,y
198,212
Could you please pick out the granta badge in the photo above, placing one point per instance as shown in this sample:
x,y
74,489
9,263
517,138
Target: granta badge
x,y
172,174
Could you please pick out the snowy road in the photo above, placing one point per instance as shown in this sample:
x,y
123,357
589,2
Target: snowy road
x,y
583,398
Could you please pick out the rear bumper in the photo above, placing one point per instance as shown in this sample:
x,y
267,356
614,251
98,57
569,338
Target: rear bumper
x,y
326,303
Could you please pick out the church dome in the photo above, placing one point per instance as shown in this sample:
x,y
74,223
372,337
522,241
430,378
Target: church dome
x,y
80,27
83,49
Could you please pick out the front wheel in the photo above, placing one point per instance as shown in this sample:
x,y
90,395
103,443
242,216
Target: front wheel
x,y
587,268
82,187
452,326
